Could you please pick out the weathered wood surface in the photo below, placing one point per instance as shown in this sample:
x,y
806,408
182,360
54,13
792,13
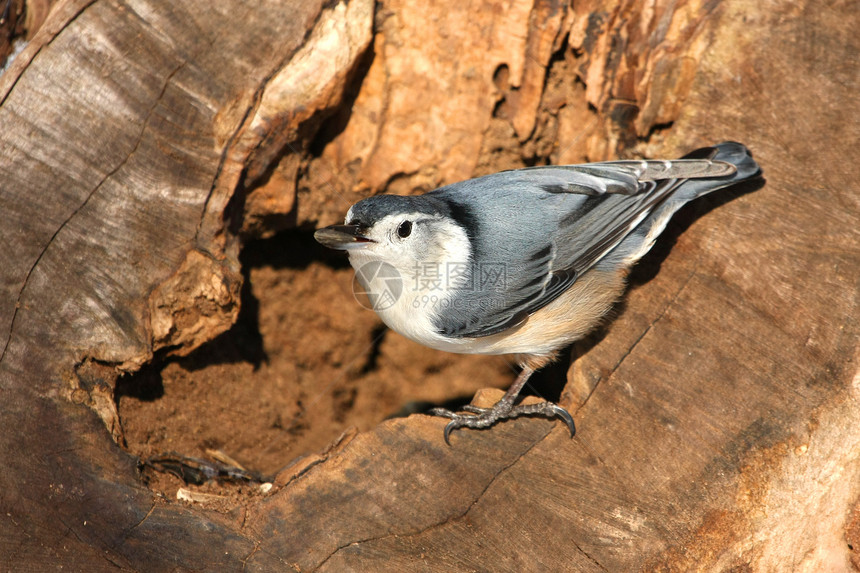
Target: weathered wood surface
x,y
718,415
125,129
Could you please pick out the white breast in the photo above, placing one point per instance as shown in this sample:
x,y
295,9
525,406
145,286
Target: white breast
x,y
428,282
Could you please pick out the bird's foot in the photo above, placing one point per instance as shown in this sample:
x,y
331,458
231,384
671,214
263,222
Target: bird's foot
x,y
485,417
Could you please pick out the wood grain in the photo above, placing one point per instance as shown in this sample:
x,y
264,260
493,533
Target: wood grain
x,y
717,415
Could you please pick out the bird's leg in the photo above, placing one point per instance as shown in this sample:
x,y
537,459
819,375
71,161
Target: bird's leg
x,y
504,409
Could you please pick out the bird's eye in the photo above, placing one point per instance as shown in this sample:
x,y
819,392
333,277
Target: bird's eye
x,y
404,229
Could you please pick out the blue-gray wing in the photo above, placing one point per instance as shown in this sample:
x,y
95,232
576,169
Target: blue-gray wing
x,y
540,228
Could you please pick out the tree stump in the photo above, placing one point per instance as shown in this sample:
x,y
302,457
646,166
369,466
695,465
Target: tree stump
x,y
164,167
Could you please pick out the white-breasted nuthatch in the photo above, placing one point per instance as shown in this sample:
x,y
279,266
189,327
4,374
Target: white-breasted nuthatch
x,y
521,262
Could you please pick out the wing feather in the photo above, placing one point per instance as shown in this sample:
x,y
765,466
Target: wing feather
x,y
586,211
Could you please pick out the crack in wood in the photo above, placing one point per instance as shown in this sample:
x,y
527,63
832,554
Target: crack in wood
x,y
43,29
70,529
257,543
83,204
636,342
246,120
657,319
253,552
450,519
106,556
589,557
139,523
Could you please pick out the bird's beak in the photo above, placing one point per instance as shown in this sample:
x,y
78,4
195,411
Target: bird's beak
x,y
342,237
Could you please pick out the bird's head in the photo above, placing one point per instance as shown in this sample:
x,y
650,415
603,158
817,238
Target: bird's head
x,y
405,232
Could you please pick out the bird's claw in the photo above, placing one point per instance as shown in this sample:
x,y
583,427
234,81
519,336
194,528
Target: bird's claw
x,y
478,418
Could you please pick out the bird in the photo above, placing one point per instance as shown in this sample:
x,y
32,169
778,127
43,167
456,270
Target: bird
x,y
522,262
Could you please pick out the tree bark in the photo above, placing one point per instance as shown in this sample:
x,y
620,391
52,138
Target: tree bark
x,y
145,143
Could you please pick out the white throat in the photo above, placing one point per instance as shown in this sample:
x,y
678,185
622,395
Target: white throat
x,y
429,278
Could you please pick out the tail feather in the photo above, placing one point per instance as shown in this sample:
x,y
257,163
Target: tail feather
x,y
640,241
739,156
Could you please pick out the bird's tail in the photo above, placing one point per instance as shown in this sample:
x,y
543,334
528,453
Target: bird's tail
x,y
728,151
640,241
